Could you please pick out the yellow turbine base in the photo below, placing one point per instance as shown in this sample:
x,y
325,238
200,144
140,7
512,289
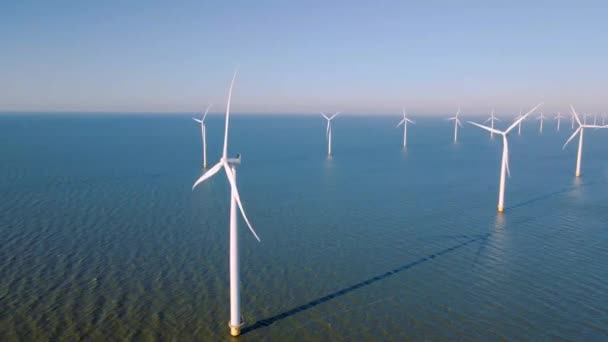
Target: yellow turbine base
x,y
501,209
235,331
578,174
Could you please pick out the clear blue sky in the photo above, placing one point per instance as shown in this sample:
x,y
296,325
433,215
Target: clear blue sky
x,y
374,57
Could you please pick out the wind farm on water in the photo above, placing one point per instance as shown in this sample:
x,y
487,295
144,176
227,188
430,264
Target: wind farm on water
x,y
357,230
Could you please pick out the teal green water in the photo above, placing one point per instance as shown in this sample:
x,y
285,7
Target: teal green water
x,y
101,237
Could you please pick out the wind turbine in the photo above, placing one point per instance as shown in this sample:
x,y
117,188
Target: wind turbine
x,y
491,120
404,122
581,130
456,124
229,166
329,118
541,117
558,117
572,119
518,125
204,135
504,166
595,119
604,119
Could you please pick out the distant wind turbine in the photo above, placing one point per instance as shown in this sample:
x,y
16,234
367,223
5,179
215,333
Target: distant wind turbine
x,y
580,131
604,119
519,125
456,124
204,135
558,117
404,122
595,119
541,117
229,166
491,120
572,119
504,166
329,118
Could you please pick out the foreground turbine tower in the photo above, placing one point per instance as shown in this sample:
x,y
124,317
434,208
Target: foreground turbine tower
x,y
456,124
504,166
329,118
229,166
404,122
558,117
204,135
541,117
491,120
581,130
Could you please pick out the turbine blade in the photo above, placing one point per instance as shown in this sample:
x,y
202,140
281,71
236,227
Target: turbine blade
x,y
410,121
212,171
206,111
325,116
333,116
225,153
572,137
458,122
237,198
328,128
487,120
400,123
489,129
522,118
198,120
576,115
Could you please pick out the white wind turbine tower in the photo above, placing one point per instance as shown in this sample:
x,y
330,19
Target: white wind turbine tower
x,y
504,166
541,117
229,166
404,122
204,135
604,119
329,118
456,124
491,120
518,125
581,130
595,119
558,117
572,119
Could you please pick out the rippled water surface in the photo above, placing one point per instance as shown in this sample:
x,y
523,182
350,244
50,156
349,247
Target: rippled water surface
x,y
102,238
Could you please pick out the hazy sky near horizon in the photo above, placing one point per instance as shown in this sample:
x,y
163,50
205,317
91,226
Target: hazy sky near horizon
x,y
360,57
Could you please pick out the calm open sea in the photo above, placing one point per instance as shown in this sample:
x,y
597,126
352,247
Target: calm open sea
x,y
101,236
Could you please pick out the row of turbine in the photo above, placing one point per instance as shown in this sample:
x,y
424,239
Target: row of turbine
x,y
229,166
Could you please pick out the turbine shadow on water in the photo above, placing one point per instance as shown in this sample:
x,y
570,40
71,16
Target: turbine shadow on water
x,y
271,320
553,194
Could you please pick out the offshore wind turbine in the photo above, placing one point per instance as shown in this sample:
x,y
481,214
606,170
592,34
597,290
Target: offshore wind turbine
x,y
595,119
204,135
329,118
504,166
604,119
456,124
580,131
572,119
558,117
541,117
404,122
229,166
491,120
518,125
